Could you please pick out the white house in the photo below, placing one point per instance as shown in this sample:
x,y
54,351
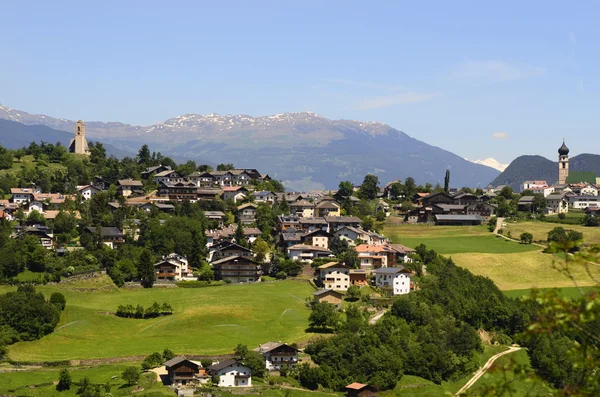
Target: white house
x,y
234,193
395,278
277,354
306,253
588,190
335,276
88,191
545,190
173,267
584,202
557,203
529,185
23,195
231,373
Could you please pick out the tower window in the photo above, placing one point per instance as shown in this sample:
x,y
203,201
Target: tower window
x,y
564,165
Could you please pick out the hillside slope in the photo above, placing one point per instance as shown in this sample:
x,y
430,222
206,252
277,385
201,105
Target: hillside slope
x,y
540,168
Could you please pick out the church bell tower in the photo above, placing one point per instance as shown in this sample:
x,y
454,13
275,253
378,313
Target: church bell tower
x,y
563,164
79,144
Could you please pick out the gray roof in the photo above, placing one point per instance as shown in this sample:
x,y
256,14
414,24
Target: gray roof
x,y
459,218
107,231
326,291
214,213
555,197
391,270
232,258
342,219
174,361
222,364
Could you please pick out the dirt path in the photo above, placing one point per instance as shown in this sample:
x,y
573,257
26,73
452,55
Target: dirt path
x,y
499,226
499,223
376,317
484,369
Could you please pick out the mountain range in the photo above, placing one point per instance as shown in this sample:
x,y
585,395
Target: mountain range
x,y
304,150
525,168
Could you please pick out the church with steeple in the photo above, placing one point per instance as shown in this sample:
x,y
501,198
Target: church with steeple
x,y
563,164
79,145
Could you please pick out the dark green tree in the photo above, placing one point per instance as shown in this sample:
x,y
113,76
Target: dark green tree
x,y
131,375
145,269
369,188
447,182
64,380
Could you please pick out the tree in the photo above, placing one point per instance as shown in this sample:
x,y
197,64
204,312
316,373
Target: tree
x,y
143,157
506,192
240,352
350,258
225,167
526,238
369,188
345,189
145,269
239,236
590,220
64,380
447,182
324,315
168,355
353,293
410,187
338,246
58,300
396,190
131,375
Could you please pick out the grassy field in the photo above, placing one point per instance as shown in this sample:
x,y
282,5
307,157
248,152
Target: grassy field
x,y
206,321
98,375
512,266
591,235
501,376
567,292
451,240
523,270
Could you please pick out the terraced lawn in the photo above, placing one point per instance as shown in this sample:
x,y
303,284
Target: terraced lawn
x,y
591,235
206,321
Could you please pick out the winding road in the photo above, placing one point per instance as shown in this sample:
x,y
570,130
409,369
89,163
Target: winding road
x,y
483,369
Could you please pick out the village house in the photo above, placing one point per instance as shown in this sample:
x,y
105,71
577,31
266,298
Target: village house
x,y
585,189
180,190
127,187
402,254
111,236
285,222
382,206
394,279
483,209
154,170
217,216
557,204
182,372
335,276
231,373
168,176
173,267
374,256
208,194
23,194
458,220
336,222
359,277
247,213
543,190
464,198
530,185
88,191
303,209
237,269
252,233
150,206
583,202
328,296
277,354
317,238
44,234
437,198
351,234
100,183
307,253
234,193
264,197
227,248
202,179
360,390
327,208
312,224
290,238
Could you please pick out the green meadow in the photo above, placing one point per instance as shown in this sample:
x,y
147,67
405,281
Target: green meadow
x,y
206,321
511,265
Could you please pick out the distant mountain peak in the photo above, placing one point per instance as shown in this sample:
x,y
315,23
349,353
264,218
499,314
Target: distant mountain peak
x,y
490,162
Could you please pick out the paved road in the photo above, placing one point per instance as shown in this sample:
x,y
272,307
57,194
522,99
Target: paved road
x,y
483,369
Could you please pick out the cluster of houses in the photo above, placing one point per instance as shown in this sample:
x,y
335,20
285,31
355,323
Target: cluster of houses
x,y
561,197
458,209
184,372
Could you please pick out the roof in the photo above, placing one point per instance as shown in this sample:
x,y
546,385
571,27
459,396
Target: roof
x,y
175,360
356,386
106,231
563,150
391,270
303,247
247,205
269,346
231,258
342,219
402,248
165,173
327,204
526,199
330,265
234,188
302,203
450,207
130,182
263,193
214,213
313,220
325,292
476,218
251,230
555,197
223,364
373,248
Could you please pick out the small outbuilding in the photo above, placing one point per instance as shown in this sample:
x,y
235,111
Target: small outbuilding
x,y
360,390
328,296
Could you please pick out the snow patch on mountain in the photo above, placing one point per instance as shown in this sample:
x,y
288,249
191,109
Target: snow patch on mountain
x,y
490,162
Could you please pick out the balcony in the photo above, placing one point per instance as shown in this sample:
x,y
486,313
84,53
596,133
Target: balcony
x,y
166,275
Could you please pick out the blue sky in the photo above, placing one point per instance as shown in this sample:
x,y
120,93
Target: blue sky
x,y
476,78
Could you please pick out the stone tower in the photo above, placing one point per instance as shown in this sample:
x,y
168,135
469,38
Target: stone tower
x,y
79,144
563,164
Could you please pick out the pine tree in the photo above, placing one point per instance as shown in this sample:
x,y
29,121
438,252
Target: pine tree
x,y
64,380
146,269
447,182
239,236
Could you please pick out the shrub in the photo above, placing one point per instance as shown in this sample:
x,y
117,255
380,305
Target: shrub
x,y
58,300
526,238
64,380
152,361
168,355
561,216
